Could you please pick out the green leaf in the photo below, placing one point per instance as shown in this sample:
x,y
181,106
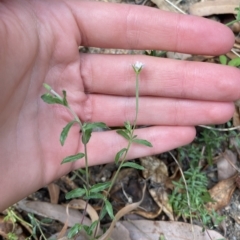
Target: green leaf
x,y
234,62
128,126
134,136
75,193
99,187
143,142
86,136
223,59
94,125
46,220
119,155
50,99
65,131
238,13
123,133
65,103
109,209
73,158
74,230
86,228
92,227
133,165
103,213
95,196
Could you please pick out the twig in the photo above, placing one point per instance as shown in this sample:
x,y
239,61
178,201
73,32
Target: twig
x,y
233,51
220,129
176,7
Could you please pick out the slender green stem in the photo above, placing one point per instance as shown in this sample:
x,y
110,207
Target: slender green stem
x,y
130,140
76,118
132,134
56,94
86,163
40,229
75,172
232,22
137,99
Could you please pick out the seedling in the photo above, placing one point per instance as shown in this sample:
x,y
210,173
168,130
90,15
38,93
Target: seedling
x,y
234,62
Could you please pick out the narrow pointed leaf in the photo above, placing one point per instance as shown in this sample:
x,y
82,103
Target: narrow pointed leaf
x,y
65,103
143,142
123,133
92,227
103,213
74,230
128,126
86,136
119,155
65,131
50,99
99,187
238,13
95,196
109,209
73,158
133,165
94,125
75,193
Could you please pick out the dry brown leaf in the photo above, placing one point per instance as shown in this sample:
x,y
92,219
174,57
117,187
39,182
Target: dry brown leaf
x,y
156,170
80,205
207,8
179,56
225,165
53,211
127,209
53,190
68,182
152,230
147,214
236,115
120,232
163,5
221,193
161,198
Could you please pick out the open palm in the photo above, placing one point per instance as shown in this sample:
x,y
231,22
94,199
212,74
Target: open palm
x,y
39,43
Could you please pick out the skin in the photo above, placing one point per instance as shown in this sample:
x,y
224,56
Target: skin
x,y
39,43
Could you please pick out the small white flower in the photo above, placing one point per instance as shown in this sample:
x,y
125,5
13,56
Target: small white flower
x,y
137,67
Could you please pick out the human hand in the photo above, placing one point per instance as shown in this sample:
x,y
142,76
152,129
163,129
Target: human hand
x,y
39,43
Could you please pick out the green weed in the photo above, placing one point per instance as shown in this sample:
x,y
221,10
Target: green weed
x,y
96,191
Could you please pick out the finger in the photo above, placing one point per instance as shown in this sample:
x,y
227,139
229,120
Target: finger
x,y
138,27
160,77
114,111
103,146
